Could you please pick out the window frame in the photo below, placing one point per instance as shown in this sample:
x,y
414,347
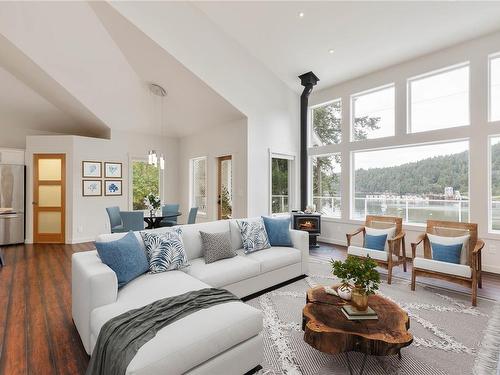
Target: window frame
x,y
352,110
352,175
433,73
490,192
491,57
191,185
310,127
310,198
143,159
291,179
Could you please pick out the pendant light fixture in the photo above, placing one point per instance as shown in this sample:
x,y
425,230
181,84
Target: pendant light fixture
x,y
153,158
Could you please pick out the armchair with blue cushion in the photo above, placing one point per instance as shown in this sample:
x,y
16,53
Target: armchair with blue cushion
x,y
169,210
124,221
452,252
383,241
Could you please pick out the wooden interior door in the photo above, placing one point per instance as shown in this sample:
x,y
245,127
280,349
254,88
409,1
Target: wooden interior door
x,y
49,198
225,187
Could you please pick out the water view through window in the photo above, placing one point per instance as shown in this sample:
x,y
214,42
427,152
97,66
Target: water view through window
x,y
416,183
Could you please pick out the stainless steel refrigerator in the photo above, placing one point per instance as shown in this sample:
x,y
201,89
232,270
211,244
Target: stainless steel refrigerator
x,y
12,202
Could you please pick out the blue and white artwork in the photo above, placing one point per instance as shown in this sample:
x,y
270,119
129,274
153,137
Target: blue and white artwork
x,y
91,169
112,187
112,170
91,188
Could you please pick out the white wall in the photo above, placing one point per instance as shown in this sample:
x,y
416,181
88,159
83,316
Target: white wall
x,y
15,137
476,52
86,216
272,109
227,139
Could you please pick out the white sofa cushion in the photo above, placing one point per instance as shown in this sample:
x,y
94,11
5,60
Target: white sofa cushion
x,y
192,239
443,267
236,239
274,258
374,254
189,341
224,271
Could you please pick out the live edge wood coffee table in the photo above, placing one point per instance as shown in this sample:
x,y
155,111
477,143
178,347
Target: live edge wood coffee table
x,y
329,331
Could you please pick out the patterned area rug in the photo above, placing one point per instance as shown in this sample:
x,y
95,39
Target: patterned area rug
x,y
450,336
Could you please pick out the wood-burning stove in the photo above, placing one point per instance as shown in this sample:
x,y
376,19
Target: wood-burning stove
x,y
310,223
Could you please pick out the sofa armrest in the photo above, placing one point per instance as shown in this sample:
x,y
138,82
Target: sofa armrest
x,y
93,284
300,241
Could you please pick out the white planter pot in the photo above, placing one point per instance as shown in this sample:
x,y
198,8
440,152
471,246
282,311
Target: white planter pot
x,y
345,292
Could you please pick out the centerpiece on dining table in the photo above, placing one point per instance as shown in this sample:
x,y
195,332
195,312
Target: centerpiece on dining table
x,y
359,279
153,203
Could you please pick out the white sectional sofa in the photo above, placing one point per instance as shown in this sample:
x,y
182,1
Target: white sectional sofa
x,y
223,339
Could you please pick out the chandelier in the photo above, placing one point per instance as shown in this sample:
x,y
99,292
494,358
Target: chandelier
x,y
153,158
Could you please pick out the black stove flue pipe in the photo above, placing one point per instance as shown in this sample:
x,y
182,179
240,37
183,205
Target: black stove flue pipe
x,y
308,80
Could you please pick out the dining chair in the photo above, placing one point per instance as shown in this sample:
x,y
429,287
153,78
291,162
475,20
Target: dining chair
x,y
192,215
391,253
132,220
466,270
166,210
115,219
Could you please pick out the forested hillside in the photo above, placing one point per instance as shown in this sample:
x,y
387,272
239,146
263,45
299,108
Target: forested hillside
x,y
428,176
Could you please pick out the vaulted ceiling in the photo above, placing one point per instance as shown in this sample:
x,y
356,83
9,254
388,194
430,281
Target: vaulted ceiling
x,y
83,68
365,36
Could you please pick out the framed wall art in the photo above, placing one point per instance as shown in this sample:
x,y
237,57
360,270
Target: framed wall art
x,y
112,187
112,170
91,169
91,188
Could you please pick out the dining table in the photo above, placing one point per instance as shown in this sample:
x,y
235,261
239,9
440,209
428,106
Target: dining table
x,y
154,221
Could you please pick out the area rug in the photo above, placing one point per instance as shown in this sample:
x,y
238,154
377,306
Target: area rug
x,y
450,336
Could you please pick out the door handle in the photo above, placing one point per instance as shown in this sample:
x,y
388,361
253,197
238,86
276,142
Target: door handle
x,y
35,203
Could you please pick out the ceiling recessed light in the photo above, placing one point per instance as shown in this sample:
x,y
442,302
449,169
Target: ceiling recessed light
x,y
301,14
331,51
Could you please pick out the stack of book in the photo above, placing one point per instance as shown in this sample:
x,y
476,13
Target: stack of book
x,y
352,314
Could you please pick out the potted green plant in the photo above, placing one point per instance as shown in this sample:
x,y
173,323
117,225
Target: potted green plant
x,y
360,272
366,281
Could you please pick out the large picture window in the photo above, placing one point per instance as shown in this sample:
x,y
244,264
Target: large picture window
x,y
439,100
326,124
326,184
198,184
145,180
280,184
495,183
373,114
495,88
416,183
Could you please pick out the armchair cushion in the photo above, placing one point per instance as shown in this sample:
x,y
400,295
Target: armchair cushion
x,y
375,242
446,253
442,240
374,254
443,267
389,232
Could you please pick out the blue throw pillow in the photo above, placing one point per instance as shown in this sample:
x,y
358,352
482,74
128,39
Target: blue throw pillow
x,y
125,257
375,242
446,253
278,231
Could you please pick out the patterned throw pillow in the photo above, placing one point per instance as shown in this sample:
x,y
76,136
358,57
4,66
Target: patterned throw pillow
x,y
216,246
253,235
165,250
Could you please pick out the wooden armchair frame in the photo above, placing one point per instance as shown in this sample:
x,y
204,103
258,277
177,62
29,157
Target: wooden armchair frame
x,y
452,229
396,245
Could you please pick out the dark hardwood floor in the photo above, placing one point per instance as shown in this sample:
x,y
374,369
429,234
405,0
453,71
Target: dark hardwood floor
x,y
37,335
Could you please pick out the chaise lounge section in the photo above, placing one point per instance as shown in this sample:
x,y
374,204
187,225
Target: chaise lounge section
x,y
223,339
